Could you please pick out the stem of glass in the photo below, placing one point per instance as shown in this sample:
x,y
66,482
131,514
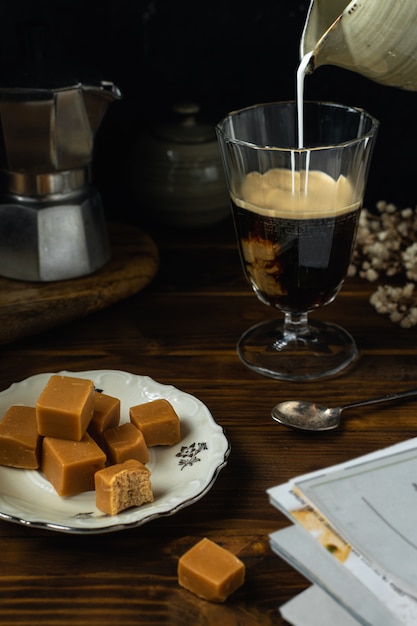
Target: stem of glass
x,y
295,326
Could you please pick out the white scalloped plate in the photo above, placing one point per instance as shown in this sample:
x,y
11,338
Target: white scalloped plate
x,y
180,474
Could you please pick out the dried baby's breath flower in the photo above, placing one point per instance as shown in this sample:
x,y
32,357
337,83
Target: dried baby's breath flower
x,y
399,303
409,257
386,248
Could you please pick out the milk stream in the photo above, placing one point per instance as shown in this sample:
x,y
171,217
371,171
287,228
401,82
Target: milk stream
x,y
301,72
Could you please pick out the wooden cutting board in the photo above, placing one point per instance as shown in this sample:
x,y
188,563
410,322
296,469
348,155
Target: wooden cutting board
x,y
27,308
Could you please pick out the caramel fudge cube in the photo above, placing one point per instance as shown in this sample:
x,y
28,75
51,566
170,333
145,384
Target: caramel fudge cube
x,y
106,415
122,486
210,571
158,422
20,442
65,407
125,442
70,465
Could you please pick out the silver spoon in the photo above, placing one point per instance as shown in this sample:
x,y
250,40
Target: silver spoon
x,y
312,416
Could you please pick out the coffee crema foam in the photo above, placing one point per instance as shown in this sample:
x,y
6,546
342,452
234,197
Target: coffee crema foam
x,y
296,195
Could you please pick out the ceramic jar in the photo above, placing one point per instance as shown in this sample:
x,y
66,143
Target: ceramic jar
x,y
177,174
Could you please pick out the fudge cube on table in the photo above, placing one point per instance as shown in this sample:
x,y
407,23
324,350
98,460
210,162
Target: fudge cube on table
x,y
210,571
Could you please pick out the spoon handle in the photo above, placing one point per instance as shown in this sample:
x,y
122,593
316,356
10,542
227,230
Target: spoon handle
x,y
386,398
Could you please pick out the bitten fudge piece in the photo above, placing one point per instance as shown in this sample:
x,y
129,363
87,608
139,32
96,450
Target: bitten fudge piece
x,y
122,486
65,407
70,465
20,442
106,415
158,422
210,571
125,442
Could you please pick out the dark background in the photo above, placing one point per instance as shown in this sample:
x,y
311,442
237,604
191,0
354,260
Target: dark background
x,y
224,54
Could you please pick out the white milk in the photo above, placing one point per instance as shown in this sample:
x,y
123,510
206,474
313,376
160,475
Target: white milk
x,y
301,72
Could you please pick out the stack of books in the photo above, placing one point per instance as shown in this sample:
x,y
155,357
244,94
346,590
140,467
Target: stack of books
x,y
354,536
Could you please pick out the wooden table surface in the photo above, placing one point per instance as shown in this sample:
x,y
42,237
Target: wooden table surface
x,y
182,330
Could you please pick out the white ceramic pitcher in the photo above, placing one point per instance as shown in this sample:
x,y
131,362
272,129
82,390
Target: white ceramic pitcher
x,y
376,38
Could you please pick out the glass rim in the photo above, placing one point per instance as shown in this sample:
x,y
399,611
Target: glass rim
x,y
335,105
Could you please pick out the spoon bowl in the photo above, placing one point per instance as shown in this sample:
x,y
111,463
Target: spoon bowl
x,y
311,416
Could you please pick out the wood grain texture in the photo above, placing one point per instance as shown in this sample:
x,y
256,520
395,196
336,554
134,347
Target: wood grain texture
x,y
28,308
182,330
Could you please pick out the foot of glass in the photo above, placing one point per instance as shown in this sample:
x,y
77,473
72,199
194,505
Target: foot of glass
x,y
320,351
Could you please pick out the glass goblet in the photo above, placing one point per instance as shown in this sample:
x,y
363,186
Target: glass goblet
x,y
296,212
